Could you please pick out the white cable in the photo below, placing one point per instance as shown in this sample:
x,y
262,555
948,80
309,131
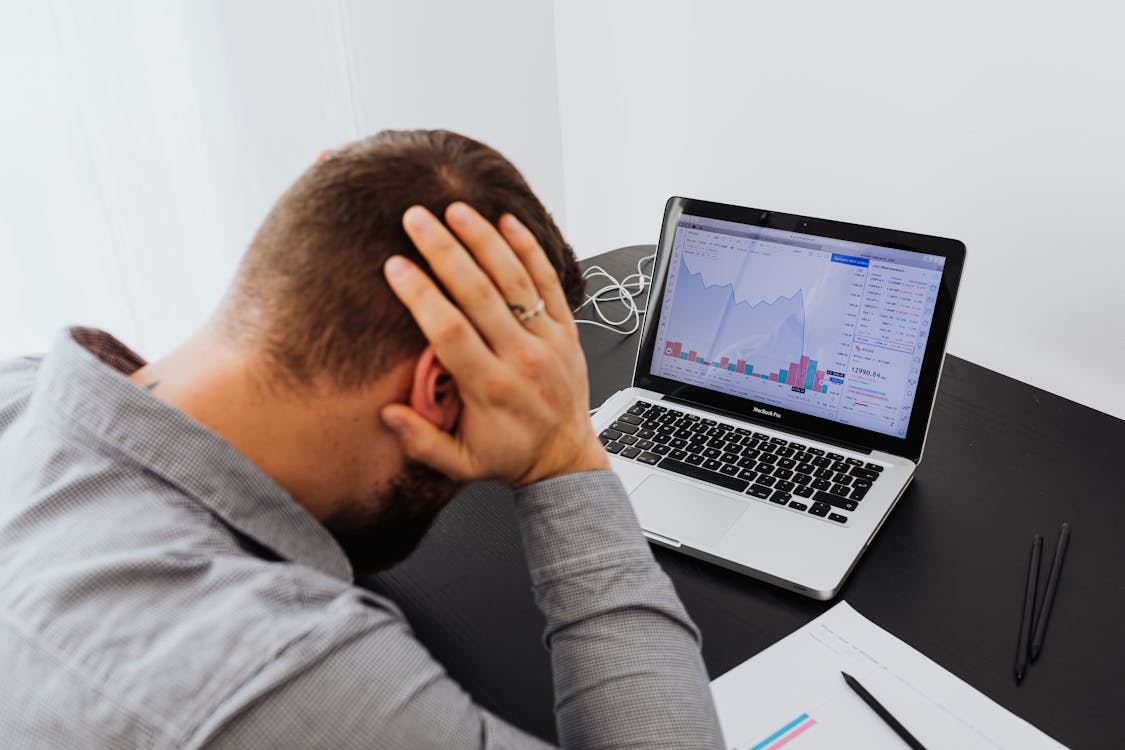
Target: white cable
x,y
617,290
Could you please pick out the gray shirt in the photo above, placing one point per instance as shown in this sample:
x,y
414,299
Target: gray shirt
x,y
158,590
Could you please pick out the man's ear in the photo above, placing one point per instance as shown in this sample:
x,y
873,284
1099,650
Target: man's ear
x,y
433,393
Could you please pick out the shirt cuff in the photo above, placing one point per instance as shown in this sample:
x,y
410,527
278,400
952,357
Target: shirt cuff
x,y
578,522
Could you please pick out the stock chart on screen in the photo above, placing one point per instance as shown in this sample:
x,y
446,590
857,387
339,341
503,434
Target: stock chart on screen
x,y
824,327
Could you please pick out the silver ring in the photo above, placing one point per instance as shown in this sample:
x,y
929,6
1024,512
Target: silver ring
x,y
524,315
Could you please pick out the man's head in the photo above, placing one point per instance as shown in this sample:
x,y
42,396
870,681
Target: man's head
x,y
310,288
332,345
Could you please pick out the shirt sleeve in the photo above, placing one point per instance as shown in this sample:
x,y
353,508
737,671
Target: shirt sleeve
x,y
17,379
625,656
379,690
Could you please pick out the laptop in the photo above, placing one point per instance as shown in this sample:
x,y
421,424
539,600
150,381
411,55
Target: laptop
x,y
783,387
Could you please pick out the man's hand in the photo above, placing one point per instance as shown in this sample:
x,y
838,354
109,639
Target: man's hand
x,y
523,385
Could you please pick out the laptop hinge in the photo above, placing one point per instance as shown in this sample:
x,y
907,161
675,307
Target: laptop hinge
x,y
773,426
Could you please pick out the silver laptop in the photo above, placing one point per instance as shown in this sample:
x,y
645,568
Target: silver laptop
x,y
783,387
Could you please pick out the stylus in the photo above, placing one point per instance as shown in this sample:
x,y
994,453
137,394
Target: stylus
x,y
1028,607
1049,595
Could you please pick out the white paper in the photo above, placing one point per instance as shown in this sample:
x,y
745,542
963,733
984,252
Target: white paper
x,y
792,695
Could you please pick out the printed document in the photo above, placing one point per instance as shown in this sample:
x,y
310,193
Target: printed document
x,y
792,695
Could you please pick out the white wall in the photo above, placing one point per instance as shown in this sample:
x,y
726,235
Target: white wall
x,y
143,142
996,123
484,68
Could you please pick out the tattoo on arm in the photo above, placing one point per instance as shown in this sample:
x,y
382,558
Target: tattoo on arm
x,y
152,386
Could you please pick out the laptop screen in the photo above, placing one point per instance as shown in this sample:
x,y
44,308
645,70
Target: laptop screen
x,y
826,327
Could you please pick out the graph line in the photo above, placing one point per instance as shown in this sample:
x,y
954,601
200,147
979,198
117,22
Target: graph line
x,y
738,327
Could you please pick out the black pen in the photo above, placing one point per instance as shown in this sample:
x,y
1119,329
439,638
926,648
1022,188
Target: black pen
x,y
884,714
1028,607
1049,595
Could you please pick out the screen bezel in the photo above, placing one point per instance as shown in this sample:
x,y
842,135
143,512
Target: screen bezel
x,y
909,446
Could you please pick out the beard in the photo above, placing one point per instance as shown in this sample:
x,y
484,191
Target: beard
x,y
386,527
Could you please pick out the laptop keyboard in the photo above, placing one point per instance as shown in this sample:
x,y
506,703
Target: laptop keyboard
x,y
801,477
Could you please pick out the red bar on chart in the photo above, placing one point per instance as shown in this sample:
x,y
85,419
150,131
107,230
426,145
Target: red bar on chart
x,y
791,374
741,366
691,355
804,371
724,362
675,347
819,377
773,376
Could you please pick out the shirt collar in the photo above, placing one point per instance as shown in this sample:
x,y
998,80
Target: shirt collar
x,y
84,381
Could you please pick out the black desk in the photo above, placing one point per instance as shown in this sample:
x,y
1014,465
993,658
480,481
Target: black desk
x,y
946,573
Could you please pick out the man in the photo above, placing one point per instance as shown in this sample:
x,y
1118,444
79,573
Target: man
x,y
178,539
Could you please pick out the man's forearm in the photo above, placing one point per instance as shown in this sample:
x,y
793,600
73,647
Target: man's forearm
x,y
625,654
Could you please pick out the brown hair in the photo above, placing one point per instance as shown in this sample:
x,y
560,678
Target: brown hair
x,y
310,289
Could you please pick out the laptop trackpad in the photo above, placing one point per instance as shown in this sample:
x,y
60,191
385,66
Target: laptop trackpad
x,y
684,512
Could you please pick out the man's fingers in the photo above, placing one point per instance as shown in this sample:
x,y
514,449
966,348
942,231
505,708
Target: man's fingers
x,y
422,441
493,254
454,339
543,274
469,285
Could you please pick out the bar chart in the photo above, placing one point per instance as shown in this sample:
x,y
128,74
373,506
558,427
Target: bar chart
x,y
765,323
802,374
